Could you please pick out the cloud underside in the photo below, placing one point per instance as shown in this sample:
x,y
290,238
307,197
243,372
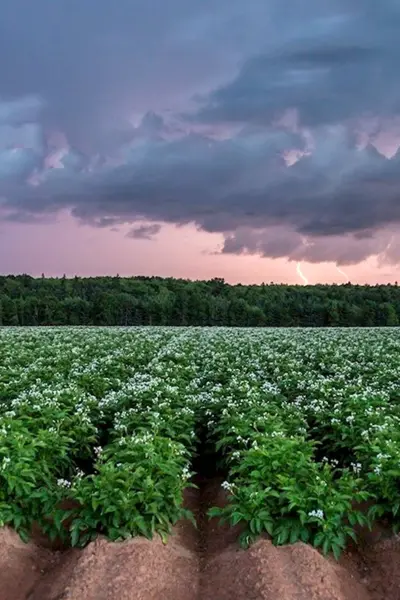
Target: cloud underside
x,y
287,158
144,232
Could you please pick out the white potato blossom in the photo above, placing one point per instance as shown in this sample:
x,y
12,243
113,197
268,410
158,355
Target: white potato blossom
x,y
357,467
381,456
186,474
318,514
63,483
229,487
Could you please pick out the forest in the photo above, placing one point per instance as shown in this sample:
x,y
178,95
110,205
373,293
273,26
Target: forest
x,y
25,300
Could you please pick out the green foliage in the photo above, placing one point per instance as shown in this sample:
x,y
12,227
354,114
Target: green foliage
x,y
25,300
136,490
279,489
99,428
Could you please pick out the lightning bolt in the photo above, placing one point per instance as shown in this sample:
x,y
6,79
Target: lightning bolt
x,y
342,272
300,273
389,244
383,255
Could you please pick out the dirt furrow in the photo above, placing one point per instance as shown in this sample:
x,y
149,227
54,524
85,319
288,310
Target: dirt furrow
x,y
202,564
265,572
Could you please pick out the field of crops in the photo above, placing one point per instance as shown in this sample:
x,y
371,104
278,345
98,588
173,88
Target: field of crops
x,y
102,431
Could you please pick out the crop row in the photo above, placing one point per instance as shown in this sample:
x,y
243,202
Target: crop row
x,y
99,429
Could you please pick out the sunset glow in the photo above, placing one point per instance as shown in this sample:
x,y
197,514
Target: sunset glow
x,y
176,144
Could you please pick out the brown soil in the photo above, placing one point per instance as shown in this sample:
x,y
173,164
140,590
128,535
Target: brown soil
x,y
203,564
21,565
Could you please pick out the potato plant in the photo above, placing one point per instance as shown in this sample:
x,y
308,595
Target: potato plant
x,y
99,429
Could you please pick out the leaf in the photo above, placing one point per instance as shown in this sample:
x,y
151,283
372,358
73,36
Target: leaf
x,y
294,534
164,537
75,537
17,520
352,519
244,539
283,536
215,511
269,527
319,538
360,519
304,535
352,534
23,534
337,550
325,546
141,525
340,539
236,518
257,526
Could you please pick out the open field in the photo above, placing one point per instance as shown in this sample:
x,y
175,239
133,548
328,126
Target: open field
x,y
290,436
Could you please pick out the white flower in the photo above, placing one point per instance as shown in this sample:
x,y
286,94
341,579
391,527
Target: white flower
x,y
356,467
319,514
381,456
63,483
186,473
227,486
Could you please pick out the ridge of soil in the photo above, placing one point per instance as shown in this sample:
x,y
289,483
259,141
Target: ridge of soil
x,y
199,564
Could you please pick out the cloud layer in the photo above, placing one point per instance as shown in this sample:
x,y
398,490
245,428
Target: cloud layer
x,y
277,140
338,66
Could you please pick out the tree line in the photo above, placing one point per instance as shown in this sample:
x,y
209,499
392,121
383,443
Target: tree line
x,y
25,300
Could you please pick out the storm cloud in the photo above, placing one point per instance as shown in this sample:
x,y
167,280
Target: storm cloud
x,y
144,232
266,124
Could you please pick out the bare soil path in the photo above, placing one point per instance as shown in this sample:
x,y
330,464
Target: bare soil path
x,y
198,564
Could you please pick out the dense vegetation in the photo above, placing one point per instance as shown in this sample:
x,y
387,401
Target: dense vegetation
x,y
102,429
155,301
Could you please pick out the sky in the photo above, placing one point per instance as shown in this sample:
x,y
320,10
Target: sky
x,y
255,141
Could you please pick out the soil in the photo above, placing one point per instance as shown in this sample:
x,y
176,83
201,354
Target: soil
x,y
199,564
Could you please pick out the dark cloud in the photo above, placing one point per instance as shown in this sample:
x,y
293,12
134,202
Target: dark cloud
x,y
330,68
241,187
97,64
144,232
100,114
279,242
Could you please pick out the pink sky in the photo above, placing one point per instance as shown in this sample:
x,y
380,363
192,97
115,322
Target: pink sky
x,y
186,114
73,249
